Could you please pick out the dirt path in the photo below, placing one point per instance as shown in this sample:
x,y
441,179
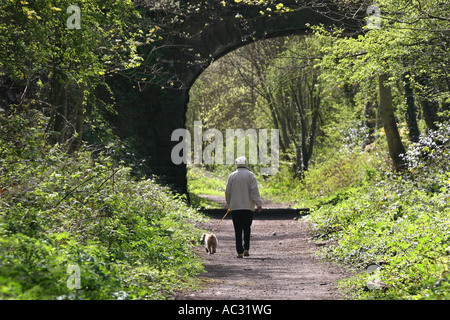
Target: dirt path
x,y
282,263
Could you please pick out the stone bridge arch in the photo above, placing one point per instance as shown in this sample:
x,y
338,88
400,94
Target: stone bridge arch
x,y
187,48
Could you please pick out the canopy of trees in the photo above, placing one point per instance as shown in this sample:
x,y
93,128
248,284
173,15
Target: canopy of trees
x,y
313,86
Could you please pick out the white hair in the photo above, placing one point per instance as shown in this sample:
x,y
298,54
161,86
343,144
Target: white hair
x,y
241,162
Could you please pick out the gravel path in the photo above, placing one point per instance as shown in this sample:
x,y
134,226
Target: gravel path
x,y
282,263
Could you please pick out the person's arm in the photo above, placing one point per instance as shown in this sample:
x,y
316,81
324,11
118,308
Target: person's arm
x,y
254,193
228,191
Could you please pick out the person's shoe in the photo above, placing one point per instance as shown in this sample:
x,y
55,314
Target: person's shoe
x,y
246,254
240,255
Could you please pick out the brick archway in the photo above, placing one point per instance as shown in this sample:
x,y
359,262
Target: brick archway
x,y
187,48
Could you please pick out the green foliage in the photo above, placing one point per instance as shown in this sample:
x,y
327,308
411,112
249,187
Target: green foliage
x,y
337,173
206,182
80,53
59,69
131,239
401,222
221,98
411,39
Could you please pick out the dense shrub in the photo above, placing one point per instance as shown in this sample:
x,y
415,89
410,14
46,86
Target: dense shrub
x,y
130,239
400,222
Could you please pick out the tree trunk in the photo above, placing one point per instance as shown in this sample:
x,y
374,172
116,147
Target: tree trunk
x,y
430,108
395,145
370,121
78,119
411,121
58,99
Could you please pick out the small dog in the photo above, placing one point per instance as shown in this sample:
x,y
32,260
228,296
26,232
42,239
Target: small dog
x,y
210,242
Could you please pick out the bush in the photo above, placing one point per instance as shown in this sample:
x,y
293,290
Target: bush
x,y
130,239
401,223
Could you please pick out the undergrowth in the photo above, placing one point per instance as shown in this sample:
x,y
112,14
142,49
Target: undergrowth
x,y
130,239
398,222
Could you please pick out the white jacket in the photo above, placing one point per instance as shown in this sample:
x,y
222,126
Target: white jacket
x,y
242,191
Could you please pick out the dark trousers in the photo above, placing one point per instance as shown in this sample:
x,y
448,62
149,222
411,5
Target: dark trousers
x,y
242,221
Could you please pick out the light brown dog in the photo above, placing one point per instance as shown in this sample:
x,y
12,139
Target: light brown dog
x,y
210,242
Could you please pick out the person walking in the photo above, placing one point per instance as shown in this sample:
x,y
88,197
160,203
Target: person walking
x,y
242,194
